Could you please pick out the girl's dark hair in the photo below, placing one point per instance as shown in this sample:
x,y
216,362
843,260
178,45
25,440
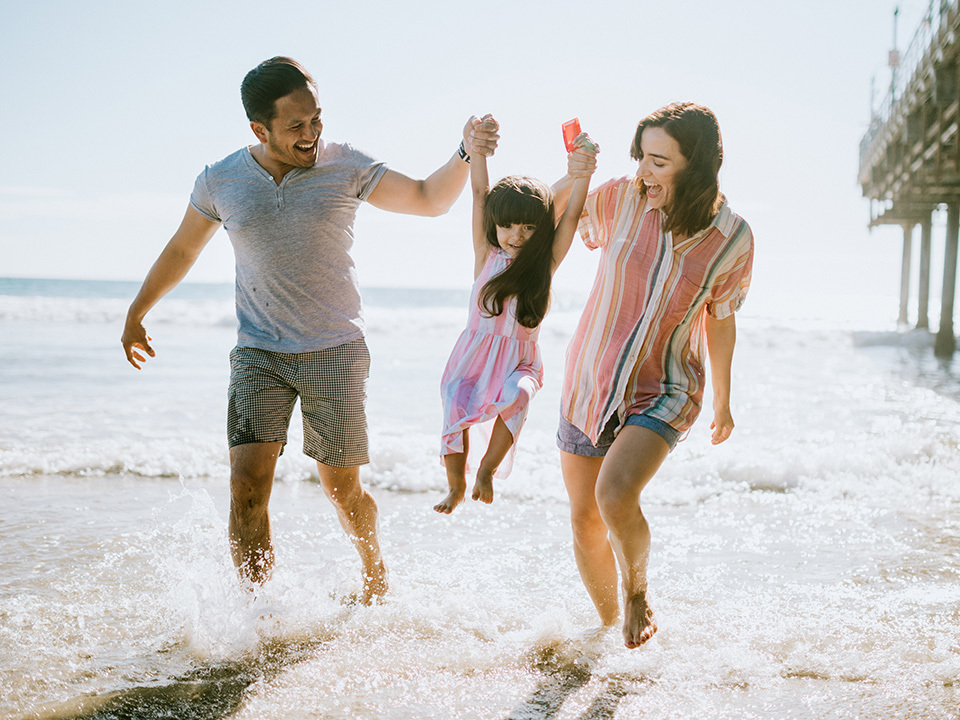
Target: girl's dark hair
x,y
522,201
696,197
268,82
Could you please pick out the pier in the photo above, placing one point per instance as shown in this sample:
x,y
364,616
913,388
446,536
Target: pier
x,y
910,158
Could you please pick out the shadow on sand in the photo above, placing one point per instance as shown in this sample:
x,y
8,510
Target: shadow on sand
x,y
562,678
206,693
217,692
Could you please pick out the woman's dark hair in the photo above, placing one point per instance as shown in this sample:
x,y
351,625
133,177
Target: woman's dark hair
x,y
696,196
268,82
522,201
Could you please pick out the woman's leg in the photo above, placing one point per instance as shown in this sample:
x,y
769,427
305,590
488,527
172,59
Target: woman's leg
x,y
500,441
456,466
595,558
630,463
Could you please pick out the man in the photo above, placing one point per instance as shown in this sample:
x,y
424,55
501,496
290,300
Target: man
x,y
288,205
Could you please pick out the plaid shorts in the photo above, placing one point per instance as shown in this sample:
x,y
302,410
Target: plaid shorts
x,y
331,385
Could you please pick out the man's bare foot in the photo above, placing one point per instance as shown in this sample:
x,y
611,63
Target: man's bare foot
x,y
483,487
374,584
638,622
451,501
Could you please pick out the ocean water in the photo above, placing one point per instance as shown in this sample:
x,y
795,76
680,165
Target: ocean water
x,y
807,568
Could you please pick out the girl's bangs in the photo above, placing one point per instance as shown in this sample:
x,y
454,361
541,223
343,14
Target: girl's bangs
x,y
518,206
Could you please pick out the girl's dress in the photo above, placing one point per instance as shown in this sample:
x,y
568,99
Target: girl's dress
x,y
494,370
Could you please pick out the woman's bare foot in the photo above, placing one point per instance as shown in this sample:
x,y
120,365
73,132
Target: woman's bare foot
x,y
374,584
483,487
451,501
639,624
596,634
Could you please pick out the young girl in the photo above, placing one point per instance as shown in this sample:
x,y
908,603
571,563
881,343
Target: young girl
x,y
495,369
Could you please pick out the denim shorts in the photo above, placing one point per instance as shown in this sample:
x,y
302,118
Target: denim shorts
x,y
570,439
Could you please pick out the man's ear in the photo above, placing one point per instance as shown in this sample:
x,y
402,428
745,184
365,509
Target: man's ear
x,y
260,130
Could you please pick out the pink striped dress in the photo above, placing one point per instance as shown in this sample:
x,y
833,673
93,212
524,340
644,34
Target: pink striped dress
x,y
494,370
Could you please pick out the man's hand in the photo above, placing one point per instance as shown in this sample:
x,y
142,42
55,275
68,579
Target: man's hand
x,y
481,135
135,337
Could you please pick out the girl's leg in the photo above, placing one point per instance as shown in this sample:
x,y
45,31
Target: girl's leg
x,y
595,559
456,466
634,457
500,441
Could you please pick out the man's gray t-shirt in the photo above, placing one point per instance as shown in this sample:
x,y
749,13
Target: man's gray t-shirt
x,y
297,288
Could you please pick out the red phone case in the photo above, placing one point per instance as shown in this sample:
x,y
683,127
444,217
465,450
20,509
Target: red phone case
x,y
571,128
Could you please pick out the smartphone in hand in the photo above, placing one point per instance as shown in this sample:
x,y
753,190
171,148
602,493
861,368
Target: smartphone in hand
x,y
571,128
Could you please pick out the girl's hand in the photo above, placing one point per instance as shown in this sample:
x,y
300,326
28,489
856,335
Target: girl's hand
x,y
582,162
481,135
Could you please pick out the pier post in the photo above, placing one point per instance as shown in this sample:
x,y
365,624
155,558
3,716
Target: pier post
x,y
905,272
923,304
946,343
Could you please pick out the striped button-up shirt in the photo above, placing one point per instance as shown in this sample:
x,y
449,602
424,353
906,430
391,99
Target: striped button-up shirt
x,y
639,346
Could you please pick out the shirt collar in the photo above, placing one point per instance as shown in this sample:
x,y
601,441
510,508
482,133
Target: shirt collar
x,y
724,220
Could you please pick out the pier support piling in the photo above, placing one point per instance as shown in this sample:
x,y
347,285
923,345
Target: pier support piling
x,y
905,272
923,301
946,343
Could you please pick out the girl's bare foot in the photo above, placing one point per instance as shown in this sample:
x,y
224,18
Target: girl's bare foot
x,y
451,501
483,487
638,622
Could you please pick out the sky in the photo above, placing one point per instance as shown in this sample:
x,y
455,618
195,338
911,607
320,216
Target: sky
x,y
113,108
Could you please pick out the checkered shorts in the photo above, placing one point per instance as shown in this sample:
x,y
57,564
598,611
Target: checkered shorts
x,y
331,385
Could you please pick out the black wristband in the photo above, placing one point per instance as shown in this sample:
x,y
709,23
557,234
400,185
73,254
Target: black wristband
x,y
461,151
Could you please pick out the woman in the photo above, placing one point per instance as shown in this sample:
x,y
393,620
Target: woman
x,y
675,266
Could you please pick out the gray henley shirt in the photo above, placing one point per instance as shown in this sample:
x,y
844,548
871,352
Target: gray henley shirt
x,y
297,288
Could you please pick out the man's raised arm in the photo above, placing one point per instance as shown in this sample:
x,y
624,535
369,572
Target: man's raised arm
x,y
431,197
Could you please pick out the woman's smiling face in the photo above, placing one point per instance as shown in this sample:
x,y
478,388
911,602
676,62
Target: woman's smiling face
x,y
660,162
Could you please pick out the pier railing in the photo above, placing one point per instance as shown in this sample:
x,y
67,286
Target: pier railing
x,y
903,71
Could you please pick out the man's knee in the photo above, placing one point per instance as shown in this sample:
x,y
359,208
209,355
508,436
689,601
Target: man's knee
x,y
341,485
251,478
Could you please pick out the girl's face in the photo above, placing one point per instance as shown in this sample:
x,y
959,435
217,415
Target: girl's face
x,y
512,237
660,162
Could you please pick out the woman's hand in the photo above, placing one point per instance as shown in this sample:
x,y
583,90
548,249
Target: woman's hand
x,y
722,424
582,162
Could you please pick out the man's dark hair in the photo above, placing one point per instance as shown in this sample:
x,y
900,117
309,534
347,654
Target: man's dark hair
x,y
268,82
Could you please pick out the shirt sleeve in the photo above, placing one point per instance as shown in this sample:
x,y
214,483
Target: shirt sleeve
x,y
596,221
369,171
201,198
731,285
